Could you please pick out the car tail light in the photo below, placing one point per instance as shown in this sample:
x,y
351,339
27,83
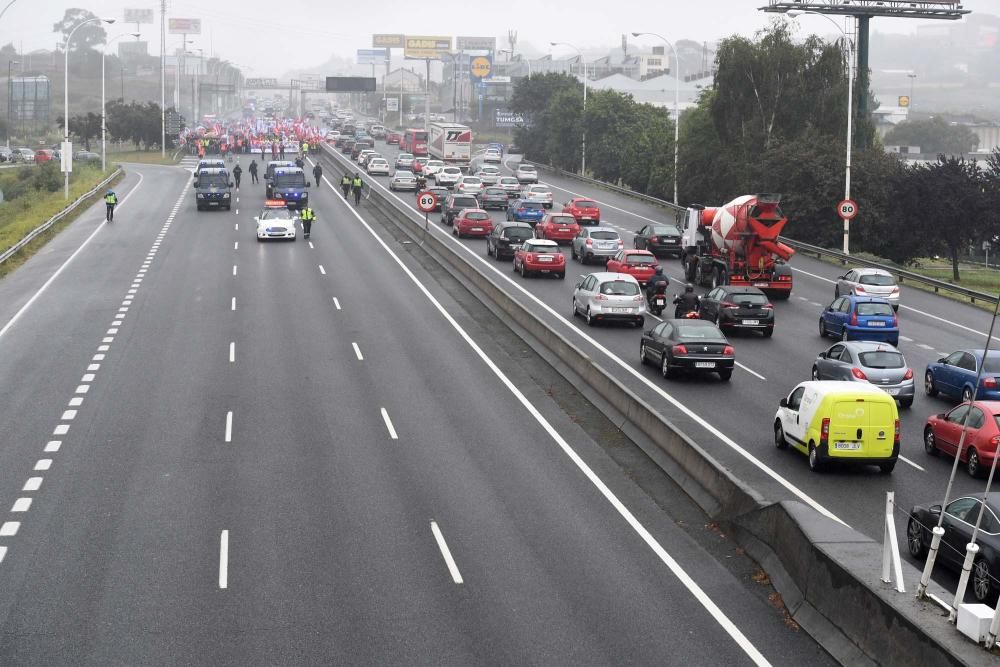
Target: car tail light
x,y
895,290
824,431
909,374
990,383
654,239
590,242
854,318
728,351
895,433
600,297
768,306
621,244
859,374
895,321
680,349
729,304
859,290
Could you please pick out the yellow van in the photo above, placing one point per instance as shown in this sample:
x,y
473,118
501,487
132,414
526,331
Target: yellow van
x,y
847,422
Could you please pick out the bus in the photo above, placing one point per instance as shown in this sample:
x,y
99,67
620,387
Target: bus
x,y
415,141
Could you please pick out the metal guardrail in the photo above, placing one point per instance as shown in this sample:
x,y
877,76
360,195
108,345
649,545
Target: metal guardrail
x,y
901,275
14,249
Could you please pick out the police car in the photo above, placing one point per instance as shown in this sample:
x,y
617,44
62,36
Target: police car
x,y
289,184
276,221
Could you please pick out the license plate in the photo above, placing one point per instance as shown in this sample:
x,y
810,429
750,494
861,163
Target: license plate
x,y
544,259
892,392
661,302
704,364
621,310
564,229
847,446
477,229
876,324
760,284
751,322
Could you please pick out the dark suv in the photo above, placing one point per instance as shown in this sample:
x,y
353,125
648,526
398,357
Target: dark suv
x,y
455,203
507,237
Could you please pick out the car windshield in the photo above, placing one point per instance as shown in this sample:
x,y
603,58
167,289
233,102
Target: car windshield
x,y
877,279
471,180
405,156
874,309
477,215
584,203
435,163
518,234
525,167
604,236
693,330
619,288
454,171
666,231
882,359
404,174
212,181
496,191
508,180
639,259
543,249
992,365
562,220
465,202
290,180
276,214
748,297
531,205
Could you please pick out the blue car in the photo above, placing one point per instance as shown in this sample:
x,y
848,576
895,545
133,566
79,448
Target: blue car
x,y
860,318
955,376
526,210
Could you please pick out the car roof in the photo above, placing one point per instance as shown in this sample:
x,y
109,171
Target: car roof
x,y
869,346
505,224
543,242
473,210
213,170
638,252
841,387
742,289
854,298
403,172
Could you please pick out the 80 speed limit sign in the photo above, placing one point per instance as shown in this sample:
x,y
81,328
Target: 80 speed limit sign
x,y
847,209
427,201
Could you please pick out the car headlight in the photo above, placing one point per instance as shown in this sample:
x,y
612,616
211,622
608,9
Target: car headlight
x,y
201,196
225,195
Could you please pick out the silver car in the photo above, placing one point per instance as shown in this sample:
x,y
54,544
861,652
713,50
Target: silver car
x,y
526,173
596,244
469,185
510,185
404,161
377,165
489,175
538,192
869,282
880,364
403,180
448,176
609,296
432,167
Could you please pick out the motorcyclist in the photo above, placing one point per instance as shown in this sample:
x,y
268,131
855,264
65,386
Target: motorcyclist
x,y
657,284
686,302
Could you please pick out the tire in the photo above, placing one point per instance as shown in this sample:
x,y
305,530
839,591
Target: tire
x,y
489,253
982,581
844,334
822,328
815,373
513,263
930,443
815,464
561,276
665,370
590,319
768,333
906,403
972,463
966,395
689,271
779,436
887,468
929,387
642,354
725,375
524,271
915,539
576,313
454,232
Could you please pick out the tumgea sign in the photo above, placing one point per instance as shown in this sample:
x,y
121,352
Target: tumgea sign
x,y
426,47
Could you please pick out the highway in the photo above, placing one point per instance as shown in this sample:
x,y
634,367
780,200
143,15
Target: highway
x,y
218,451
733,421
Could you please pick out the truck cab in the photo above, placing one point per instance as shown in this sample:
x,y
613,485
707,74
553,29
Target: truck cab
x,y
213,189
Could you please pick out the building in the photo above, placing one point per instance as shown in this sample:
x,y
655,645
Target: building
x,y
653,64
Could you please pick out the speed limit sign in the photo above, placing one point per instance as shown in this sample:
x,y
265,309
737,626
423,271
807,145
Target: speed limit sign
x,y
847,209
427,201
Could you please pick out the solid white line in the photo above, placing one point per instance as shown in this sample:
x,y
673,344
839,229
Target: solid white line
x,y
456,576
224,559
906,460
232,352
388,422
21,505
751,372
229,426
336,303
234,303
696,591
33,484
62,267
357,351
322,270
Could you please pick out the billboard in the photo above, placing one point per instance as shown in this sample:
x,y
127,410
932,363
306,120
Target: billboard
x,y
350,84
426,47
507,118
260,83
480,67
372,56
392,104
138,16
475,43
184,26
388,41
136,49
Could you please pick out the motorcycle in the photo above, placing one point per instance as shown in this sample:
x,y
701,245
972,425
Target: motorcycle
x,y
656,302
684,311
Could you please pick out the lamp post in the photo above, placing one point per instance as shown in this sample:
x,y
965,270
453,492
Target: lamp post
x,y
67,158
850,119
677,97
510,56
104,104
909,107
10,90
583,153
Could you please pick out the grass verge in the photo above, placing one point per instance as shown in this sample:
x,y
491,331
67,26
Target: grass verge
x,y
19,217
145,157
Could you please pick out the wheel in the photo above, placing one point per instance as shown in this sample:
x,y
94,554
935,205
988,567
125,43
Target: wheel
x,y
779,436
572,252
642,354
489,252
454,232
972,465
561,276
915,539
725,375
844,333
929,387
982,581
887,468
815,464
906,403
966,395
822,328
815,373
768,333
665,369
589,318
524,271
514,264
930,445
576,313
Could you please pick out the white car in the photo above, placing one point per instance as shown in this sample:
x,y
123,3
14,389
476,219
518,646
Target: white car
x,y
367,155
526,173
378,165
469,185
538,192
403,180
609,296
492,156
510,185
489,175
869,282
276,222
432,167
404,161
448,176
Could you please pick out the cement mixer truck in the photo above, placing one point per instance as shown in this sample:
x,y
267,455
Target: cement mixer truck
x,y
737,244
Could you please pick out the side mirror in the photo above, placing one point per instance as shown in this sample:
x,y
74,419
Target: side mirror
x,y
309,184
822,355
783,403
942,360
935,509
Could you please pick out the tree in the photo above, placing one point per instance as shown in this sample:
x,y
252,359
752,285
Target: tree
x,y
85,126
88,36
135,122
933,136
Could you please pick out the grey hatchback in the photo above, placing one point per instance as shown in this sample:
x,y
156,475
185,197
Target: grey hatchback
x,y
597,244
880,364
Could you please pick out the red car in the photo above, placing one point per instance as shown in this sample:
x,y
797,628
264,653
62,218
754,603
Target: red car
x,y
584,210
557,227
540,256
472,222
44,155
637,263
943,432
393,138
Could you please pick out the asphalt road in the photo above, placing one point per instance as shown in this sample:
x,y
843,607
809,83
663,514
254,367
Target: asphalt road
x,y
218,451
733,421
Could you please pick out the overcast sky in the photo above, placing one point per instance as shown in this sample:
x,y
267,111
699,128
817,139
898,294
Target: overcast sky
x,y
272,36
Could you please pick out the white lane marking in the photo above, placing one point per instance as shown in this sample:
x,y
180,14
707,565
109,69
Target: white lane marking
x,y
336,303
98,357
322,270
906,460
87,377
237,226
388,422
53,445
61,429
234,303
236,245
456,576
68,415
729,442
43,464
234,269
311,245
3,553
9,528
45,285
906,339
751,372
357,351
232,352
229,426
21,505
925,346
224,559
76,401
33,484
816,304
82,389
692,586
103,348
606,205
93,367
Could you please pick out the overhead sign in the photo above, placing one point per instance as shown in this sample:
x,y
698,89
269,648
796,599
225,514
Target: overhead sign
x,y
427,201
392,104
475,43
426,47
350,84
138,16
847,209
260,83
480,67
184,26
388,41
372,56
507,118
497,79
904,101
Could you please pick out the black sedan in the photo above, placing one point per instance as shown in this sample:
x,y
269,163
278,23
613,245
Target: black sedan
x,y
959,518
438,191
493,197
735,307
659,240
694,346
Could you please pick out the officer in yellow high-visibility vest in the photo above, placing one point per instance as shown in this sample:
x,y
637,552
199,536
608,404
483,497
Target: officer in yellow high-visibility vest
x,y
305,149
307,216
111,200
356,186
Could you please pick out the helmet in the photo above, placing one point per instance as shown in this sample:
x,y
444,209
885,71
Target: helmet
x,y
111,192
689,287
658,271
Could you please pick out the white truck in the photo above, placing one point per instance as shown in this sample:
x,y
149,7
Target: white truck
x,y
451,143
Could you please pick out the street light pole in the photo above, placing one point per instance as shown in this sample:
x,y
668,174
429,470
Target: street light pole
x,y
10,90
677,105
583,152
910,105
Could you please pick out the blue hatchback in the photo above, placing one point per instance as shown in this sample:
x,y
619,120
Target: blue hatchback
x,y
526,210
955,376
860,318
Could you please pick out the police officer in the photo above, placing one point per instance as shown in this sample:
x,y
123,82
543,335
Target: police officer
x,y
356,185
253,171
111,200
318,174
305,148
237,174
345,184
307,216
300,163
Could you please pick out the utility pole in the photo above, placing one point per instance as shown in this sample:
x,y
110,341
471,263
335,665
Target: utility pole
x,y
163,78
